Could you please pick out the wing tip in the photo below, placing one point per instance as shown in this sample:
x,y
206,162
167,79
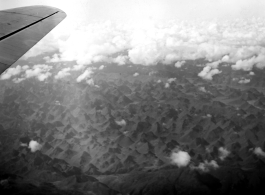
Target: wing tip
x,y
55,8
50,7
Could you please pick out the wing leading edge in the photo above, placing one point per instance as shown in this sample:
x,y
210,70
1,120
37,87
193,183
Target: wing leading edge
x,y
21,28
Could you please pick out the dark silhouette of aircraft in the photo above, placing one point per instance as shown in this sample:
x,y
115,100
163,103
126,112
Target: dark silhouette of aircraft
x,y
21,28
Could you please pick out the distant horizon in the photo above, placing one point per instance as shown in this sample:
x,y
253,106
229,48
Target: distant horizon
x,y
158,10
163,32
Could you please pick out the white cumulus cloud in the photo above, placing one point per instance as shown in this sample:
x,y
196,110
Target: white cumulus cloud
x,y
170,80
207,73
202,89
86,74
223,153
23,144
101,67
179,64
244,81
40,71
11,72
259,152
180,158
34,146
55,58
120,60
63,73
90,82
121,122
206,165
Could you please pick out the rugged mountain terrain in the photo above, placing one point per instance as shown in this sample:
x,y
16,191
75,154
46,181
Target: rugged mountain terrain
x,y
117,135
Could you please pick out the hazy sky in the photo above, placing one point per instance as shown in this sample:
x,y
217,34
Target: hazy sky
x,y
190,30
156,9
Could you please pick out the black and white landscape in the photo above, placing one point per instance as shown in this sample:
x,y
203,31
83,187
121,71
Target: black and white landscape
x,y
150,106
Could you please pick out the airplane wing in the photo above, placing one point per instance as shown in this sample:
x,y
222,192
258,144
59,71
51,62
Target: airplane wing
x,y
21,28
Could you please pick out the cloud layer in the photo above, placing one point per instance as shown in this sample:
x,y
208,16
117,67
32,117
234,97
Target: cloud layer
x,y
239,43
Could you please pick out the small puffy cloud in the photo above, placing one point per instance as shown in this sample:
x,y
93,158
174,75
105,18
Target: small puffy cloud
x,y
207,73
167,85
34,146
180,158
159,81
90,82
78,67
214,64
204,72
170,80
223,153
63,73
245,65
212,163
244,81
40,71
251,73
179,64
170,57
10,72
23,144
55,58
101,67
248,63
43,77
225,58
259,152
18,80
120,60
121,122
88,72
202,89
209,115
136,74
206,165
152,73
